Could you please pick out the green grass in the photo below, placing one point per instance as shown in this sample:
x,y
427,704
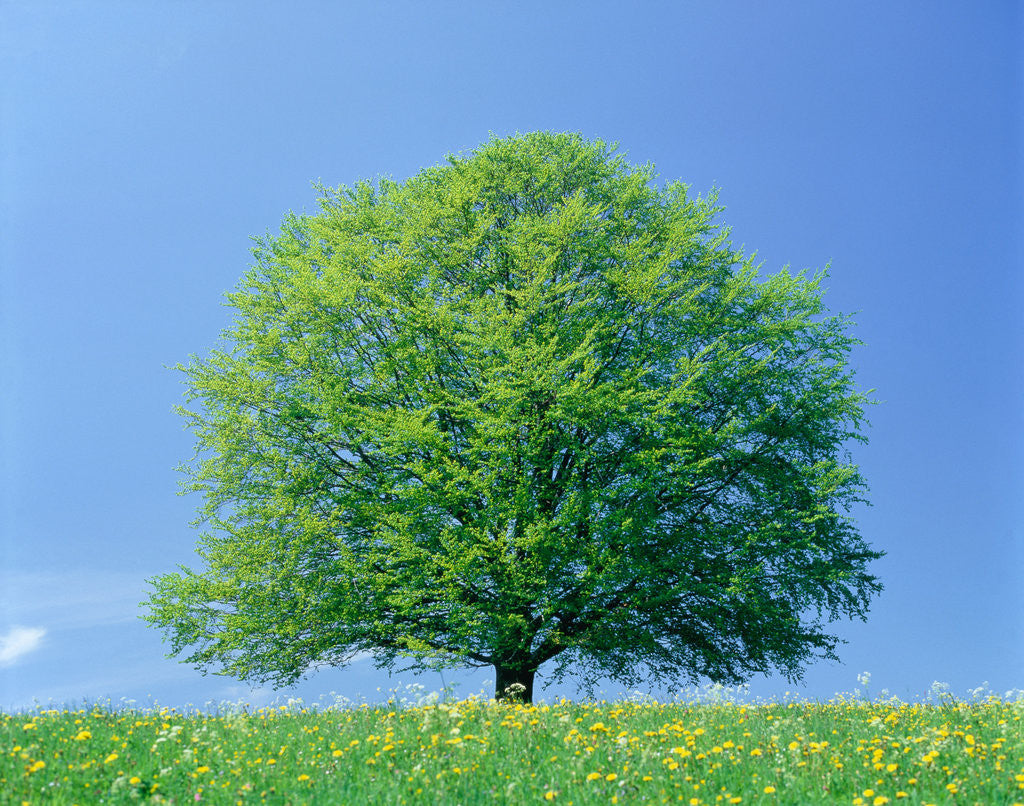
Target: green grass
x,y
476,751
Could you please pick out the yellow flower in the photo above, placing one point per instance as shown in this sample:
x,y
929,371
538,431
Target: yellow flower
x,y
134,780
881,800
769,790
549,795
756,751
337,753
303,777
891,767
202,769
869,793
611,776
794,745
593,776
110,758
271,761
83,735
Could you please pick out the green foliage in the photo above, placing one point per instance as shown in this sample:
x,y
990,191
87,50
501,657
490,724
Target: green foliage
x,y
525,406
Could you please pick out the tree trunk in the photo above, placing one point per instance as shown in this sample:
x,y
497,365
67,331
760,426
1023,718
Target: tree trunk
x,y
508,681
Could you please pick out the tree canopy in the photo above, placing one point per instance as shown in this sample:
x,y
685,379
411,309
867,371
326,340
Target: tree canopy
x,y
526,406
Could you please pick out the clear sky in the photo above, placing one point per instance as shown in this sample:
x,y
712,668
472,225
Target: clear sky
x,y
144,143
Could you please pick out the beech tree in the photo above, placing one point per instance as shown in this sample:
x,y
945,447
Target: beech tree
x,y
526,406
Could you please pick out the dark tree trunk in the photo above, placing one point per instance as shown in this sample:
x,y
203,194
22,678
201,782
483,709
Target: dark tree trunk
x,y
511,677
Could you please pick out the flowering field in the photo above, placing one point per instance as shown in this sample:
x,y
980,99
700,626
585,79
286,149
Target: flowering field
x,y
476,751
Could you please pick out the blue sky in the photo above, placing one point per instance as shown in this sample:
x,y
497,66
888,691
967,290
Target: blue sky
x,y
144,143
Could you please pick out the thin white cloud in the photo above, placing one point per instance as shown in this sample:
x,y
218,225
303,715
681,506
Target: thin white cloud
x,y
19,641
71,599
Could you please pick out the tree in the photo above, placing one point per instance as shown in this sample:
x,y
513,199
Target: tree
x,y
525,406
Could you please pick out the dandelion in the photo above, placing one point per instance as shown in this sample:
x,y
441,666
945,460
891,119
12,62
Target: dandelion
x,y
862,733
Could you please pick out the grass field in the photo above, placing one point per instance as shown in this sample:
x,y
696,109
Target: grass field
x,y
475,751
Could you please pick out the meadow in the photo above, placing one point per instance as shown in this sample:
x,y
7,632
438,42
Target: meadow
x,y
847,750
